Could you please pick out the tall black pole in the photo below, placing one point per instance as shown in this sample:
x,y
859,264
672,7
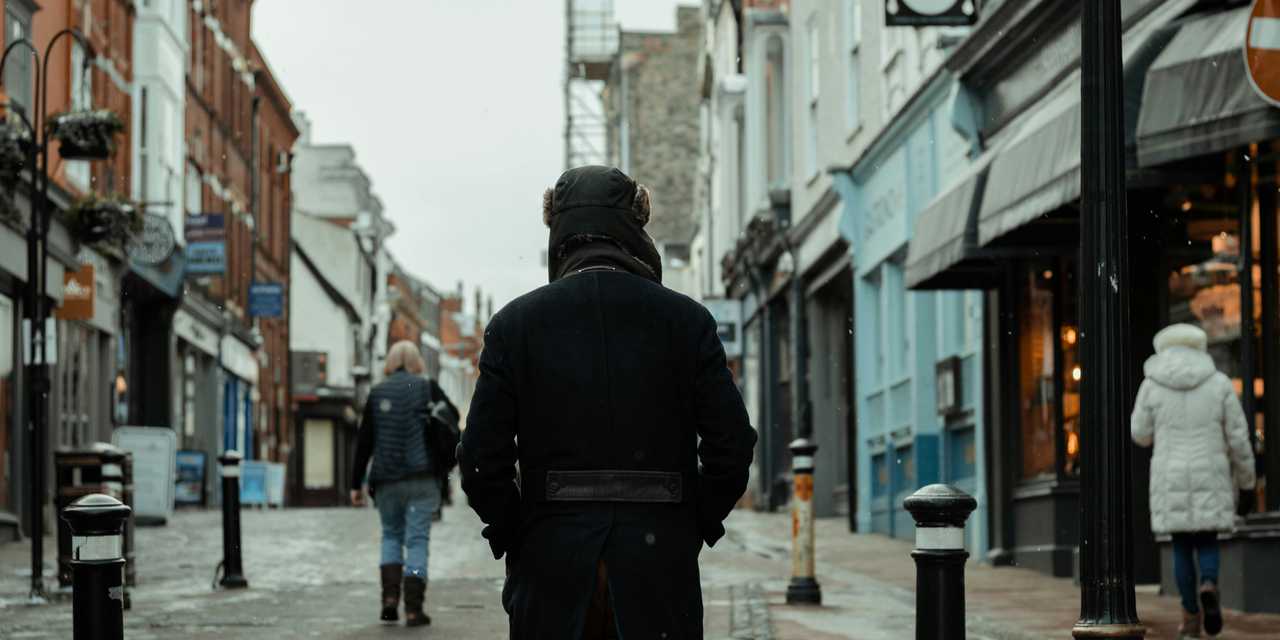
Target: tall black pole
x,y
1107,608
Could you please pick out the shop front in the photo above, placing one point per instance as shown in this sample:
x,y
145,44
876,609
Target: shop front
x,y
197,413
918,391
1202,245
239,396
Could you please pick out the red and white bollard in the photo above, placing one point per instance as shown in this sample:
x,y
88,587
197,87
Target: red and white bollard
x,y
803,588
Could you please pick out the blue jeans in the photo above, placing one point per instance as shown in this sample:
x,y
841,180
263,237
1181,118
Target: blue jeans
x,y
1186,545
406,507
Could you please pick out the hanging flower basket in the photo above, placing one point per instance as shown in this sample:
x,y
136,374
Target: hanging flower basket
x,y
15,148
111,220
86,135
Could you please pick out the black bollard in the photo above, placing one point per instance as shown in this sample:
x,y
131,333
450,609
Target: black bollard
x,y
940,512
232,570
97,522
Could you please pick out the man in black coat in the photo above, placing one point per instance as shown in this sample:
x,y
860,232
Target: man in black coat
x,y
612,394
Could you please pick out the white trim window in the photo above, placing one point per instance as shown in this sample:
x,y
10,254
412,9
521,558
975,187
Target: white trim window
x,y
813,76
852,59
78,172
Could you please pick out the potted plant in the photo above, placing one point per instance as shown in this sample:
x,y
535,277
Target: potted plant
x,y
15,148
109,219
86,135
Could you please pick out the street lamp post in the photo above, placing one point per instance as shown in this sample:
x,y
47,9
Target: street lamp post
x,y
36,312
1107,608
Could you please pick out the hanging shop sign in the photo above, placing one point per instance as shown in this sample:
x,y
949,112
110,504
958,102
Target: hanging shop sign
x,y
266,300
156,242
206,234
77,295
1262,49
930,13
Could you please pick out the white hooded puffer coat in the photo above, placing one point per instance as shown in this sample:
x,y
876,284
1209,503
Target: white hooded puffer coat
x,y
1202,453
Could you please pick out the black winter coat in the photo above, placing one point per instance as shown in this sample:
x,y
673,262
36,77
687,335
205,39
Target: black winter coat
x,y
604,370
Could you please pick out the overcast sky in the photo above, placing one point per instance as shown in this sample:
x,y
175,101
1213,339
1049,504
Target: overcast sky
x,y
455,111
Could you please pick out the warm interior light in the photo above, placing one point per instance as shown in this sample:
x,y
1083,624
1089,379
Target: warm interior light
x,y
1048,274
1186,205
1075,373
1070,335
121,385
1073,443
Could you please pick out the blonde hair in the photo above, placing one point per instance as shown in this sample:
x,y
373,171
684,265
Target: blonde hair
x,y
404,355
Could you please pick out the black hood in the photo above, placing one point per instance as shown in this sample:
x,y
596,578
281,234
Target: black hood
x,y
597,215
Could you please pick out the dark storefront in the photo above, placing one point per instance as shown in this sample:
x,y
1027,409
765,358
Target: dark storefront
x,y
1203,161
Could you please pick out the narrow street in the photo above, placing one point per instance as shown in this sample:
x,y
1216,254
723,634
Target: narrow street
x,y
312,575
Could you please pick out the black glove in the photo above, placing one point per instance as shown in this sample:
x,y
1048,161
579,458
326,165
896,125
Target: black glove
x,y
1245,505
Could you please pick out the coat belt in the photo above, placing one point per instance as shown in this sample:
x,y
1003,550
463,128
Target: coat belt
x,y
605,486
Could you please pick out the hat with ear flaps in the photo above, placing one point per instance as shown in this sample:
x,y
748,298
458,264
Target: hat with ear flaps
x,y
596,207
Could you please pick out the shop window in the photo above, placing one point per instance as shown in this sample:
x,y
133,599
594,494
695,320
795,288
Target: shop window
x,y
879,475
904,471
1048,370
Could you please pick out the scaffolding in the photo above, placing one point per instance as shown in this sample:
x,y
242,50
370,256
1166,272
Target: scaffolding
x,y
591,43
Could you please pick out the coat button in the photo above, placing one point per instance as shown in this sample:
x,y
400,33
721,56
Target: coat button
x,y
673,487
553,487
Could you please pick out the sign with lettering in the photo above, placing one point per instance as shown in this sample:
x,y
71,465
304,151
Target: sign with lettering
x,y
77,294
266,300
156,242
205,234
189,486
728,317
930,13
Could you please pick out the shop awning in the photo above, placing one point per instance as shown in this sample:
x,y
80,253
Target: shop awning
x,y
946,235
1039,170
1198,99
168,276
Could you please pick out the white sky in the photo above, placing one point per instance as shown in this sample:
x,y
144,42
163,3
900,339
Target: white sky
x,y
455,110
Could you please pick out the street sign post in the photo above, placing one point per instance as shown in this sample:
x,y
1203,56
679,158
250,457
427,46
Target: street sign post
x,y
1262,49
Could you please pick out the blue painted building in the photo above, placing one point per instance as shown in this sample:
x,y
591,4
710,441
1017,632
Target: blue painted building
x,y
907,341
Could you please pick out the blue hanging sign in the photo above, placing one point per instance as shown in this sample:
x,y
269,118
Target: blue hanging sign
x,y
266,300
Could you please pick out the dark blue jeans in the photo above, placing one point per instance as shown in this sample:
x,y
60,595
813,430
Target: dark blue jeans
x,y
1186,546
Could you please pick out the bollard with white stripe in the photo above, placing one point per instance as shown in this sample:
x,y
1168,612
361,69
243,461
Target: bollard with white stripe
x,y
804,588
232,570
940,512
97,523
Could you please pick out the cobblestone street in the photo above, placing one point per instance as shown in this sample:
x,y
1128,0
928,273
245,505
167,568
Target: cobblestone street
x,y
312,575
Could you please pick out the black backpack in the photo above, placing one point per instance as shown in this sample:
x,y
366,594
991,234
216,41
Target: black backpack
x,y
442,435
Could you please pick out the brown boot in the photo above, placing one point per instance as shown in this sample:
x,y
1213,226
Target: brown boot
x,y
391,574
1190,627
415,593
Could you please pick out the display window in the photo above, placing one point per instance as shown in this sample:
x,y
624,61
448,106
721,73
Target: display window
x,y
1049,371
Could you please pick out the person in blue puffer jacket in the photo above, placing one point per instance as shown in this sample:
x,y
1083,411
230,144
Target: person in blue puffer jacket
x,y
403,477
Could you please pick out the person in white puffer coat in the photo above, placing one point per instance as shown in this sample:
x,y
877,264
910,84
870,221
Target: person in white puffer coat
x,y
1189,411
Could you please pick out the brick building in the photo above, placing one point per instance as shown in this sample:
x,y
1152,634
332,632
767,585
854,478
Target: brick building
x,y
652,107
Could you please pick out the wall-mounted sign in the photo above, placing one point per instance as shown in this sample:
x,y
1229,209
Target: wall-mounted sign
x,y
930,13
266,300
728,316
206,244
155,243
77,294
948,386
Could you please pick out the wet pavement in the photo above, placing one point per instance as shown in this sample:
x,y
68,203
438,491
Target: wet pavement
x,y
312,574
